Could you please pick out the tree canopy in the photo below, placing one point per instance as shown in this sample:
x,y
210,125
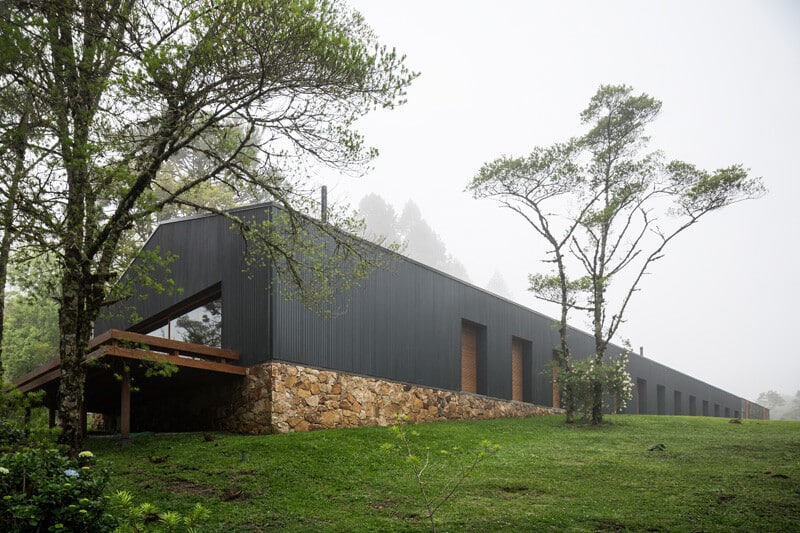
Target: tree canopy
x,y
256,90
608,209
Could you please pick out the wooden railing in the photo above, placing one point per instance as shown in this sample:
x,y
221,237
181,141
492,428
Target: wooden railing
x,y
118,343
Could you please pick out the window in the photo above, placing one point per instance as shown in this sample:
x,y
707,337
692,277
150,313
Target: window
x,y
516,370
521,362
692,405
661,399
473,357
677,402
641,396
197,319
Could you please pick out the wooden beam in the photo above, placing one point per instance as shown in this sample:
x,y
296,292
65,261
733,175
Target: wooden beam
x,y
22,383
108,343
145,355
43,379
159,343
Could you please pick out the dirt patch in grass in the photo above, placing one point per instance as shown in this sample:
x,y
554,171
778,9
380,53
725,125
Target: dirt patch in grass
x,y
185,486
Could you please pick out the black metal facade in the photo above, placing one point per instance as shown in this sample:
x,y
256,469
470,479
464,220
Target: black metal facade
x,y
403,323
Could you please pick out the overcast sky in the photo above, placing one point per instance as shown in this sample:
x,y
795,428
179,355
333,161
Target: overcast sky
x,y
503,77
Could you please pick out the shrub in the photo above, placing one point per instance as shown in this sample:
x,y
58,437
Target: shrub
x,y
436,492
582,376
42,490
146,517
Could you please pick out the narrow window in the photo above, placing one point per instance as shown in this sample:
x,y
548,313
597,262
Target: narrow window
x,y
517,369
641,396
473,358
677,402
469,358
661,399
692,405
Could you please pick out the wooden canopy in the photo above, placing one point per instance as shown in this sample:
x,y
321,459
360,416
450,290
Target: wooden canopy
x,y
117,345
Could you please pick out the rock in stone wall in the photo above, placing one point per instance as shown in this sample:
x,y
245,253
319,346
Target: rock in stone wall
x,y
304,399
250,408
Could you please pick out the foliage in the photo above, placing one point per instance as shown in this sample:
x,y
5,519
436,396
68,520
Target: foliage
x,y
241,95
144,517
30,334
42,490
437,479
608,210
582,376
781,406
19,425
771,399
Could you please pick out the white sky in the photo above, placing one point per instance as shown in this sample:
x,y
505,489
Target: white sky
x,y
502,77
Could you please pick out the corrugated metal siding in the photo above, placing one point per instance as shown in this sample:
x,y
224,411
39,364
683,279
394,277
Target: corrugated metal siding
x,y
404,323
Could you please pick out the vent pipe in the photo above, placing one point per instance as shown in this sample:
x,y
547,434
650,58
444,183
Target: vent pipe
x,y
641,351
324,208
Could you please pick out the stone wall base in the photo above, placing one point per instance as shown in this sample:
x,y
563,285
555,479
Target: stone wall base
x,y
278,397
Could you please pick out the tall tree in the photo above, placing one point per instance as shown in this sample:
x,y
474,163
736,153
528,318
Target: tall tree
x,y
621,207
409,232
130,85
380,219
535,187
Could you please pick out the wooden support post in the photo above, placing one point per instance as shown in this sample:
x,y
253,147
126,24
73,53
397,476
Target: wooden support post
x,y
125,408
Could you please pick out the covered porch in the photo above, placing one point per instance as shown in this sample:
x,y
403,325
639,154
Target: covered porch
x,y
128,376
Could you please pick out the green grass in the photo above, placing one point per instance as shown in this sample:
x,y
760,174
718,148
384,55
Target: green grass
x,y
712,476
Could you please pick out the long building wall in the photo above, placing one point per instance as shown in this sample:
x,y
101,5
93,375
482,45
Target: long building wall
x,y
404,324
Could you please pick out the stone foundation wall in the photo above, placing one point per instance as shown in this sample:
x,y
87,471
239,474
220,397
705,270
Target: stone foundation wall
x,y
278,397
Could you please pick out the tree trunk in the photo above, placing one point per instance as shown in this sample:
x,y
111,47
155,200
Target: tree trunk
x,y
19,147
599,350
73,340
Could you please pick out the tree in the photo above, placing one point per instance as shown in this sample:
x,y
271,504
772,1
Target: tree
x,y
611,206
771,399
127,87
31,334
792,408
409,232
380,219
530,187
498,285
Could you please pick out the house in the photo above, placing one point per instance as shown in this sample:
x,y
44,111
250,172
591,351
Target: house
x,y
409,339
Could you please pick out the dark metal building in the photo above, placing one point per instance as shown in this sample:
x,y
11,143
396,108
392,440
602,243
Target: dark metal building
x,y
408,323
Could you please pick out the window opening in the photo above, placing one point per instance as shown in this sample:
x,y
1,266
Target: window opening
x,y
197,320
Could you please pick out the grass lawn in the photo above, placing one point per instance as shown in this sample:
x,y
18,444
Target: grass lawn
x,y
712,475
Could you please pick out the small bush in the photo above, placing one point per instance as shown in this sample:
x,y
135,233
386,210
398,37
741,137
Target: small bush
x,y
423,464
582,376
42,490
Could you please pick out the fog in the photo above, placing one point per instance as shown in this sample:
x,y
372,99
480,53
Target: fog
x,y
502,77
